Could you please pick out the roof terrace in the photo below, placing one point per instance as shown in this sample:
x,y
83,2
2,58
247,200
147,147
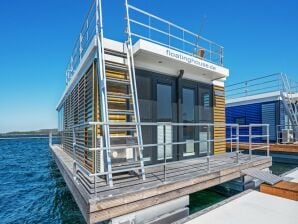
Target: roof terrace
x,y
142,25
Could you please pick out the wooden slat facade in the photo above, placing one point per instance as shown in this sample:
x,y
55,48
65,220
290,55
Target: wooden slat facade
x,y
219,117
78,109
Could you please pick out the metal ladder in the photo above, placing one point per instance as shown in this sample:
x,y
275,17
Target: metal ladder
x,y
288,101
115,104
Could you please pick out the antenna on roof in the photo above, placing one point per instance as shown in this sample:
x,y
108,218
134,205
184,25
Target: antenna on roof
x,y
198,51
202,24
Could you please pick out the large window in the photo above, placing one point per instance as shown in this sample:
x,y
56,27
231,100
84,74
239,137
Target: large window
x,y
188,116
188,111
164,102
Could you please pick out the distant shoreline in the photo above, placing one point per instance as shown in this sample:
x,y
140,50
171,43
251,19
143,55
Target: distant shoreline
x,y
38,133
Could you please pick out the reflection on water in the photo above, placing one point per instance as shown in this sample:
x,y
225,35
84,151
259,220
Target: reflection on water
x,y
280,168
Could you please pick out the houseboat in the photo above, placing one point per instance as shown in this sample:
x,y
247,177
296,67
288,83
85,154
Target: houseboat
x,y
270,99
142,121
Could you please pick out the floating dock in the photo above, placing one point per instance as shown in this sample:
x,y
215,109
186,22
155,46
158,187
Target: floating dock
x,y
246,208
288,188
131,194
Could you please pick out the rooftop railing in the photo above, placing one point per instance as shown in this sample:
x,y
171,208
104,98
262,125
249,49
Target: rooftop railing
x,y
144,25
148,27
83,41
261,85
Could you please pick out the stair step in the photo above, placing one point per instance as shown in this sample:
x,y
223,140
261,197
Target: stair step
x,y
116,66
122,96
115,53
125,112
122,128
118,81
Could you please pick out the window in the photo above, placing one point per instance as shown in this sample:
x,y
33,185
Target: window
x,y
164,102
206,100
188,113
240,120
188,116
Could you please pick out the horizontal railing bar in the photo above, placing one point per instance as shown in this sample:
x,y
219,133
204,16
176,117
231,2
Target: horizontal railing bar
x,y
157,144
261,147
248,86
263,77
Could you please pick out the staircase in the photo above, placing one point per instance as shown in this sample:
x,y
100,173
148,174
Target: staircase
x,y
288,101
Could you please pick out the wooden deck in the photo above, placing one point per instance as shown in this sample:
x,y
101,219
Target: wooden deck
x,y
131,193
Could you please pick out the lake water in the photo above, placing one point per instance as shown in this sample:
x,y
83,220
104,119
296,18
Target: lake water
x,y
33,190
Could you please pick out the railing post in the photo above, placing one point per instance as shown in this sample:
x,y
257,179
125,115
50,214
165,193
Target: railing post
x,y
268,144
231,137
169,35
221,55
74,170
210,51
81,49
164,152
95,157
149,25
250,139
277,134
208,148
87,29
50,139
237,144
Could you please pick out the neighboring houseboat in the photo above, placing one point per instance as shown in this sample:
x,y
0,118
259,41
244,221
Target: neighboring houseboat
x,y
271,99
142,121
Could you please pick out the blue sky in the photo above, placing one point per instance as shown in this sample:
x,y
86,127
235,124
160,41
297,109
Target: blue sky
x,y
260,37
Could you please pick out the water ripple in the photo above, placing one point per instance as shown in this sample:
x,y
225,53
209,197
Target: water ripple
x,y
32,188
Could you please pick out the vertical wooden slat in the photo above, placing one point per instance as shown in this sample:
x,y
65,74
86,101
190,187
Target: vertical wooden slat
x,y
219,118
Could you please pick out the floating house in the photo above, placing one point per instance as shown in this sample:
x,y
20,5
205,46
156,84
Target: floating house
x,y
271,99
142,121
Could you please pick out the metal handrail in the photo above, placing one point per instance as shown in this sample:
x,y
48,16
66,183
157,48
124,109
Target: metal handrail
x,y
261,85
234,139
214,50
83,41
251,136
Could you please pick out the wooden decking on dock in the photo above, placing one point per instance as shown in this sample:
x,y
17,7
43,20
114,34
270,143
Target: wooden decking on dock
x,y
273,147
131,193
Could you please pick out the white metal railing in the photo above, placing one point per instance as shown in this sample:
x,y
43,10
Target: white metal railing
x,y
254,136
264,84
83,41
100,150
174,37
149,27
